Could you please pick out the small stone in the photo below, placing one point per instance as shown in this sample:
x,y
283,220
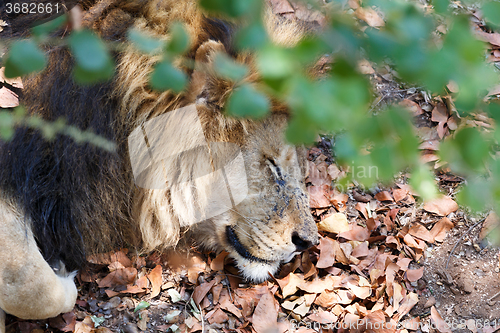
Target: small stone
x,y
130,328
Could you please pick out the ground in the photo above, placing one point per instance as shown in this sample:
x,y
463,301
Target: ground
x,y
385,257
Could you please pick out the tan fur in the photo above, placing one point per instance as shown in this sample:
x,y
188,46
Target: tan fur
x,y
29,288
270,225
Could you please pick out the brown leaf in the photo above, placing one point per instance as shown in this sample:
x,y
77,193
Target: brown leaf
x,y
490,223
384,196
403,263
281,7
370,16
419,231
326,252
120,277
329,298
8,98
408,303
339,200
440,113
414,274
218,263
227,304
364,67
399,194
411,106
441,206
357,233
319,196
81,327
334,223
318,175
218,317
201,291
290,284
64,322
156,281
441,228
439,322
361,250
265,316
323,317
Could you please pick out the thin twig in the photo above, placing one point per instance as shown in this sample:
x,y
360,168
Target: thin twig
x,y
494,296
460,239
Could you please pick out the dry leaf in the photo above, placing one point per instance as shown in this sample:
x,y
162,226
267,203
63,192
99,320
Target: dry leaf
x,y
364,67
156,281
356,233
491,222
319,196
201,291
439,323
334,223
441,206
370,16
441,228
411,106
414,274
218,317
218,263
384,196
419,231
120,277
399,194
326,252
265,316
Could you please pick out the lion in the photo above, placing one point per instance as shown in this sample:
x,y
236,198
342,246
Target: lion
x,y
61,201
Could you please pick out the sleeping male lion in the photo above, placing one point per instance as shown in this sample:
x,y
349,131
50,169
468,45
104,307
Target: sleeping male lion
x,y
61,201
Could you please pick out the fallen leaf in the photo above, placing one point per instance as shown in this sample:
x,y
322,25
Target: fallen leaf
x,y
265,316
201,291
383,196
490,223
218,263
218,317
281,7
411,106
326,252
334,223
439,322
419,231
414,274
319,196
441,228
370,16
64,322
441,206
8,98
356,233
156,281
399,194
364,67
361,250
408,303
119,277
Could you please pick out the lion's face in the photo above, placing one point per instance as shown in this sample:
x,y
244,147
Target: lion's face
x,y
274,222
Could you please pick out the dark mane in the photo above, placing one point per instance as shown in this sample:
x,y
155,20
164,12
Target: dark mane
x,y
76,195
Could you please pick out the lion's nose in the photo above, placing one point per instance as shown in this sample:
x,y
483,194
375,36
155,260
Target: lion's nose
x,y
300,243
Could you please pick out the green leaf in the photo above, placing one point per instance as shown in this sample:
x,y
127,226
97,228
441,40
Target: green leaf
x,y
165,77
252,36
85,77
422,181
233,8
298,132
24,57
144,42
246,101
141,306
6,125
441,6
48,27
179,39
228,68
276,62
491,11
89,51
97,320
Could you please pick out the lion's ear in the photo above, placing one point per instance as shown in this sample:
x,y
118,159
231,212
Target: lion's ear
x,y
207,88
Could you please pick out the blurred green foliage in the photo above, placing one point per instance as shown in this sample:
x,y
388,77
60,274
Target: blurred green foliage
x,y
340,101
